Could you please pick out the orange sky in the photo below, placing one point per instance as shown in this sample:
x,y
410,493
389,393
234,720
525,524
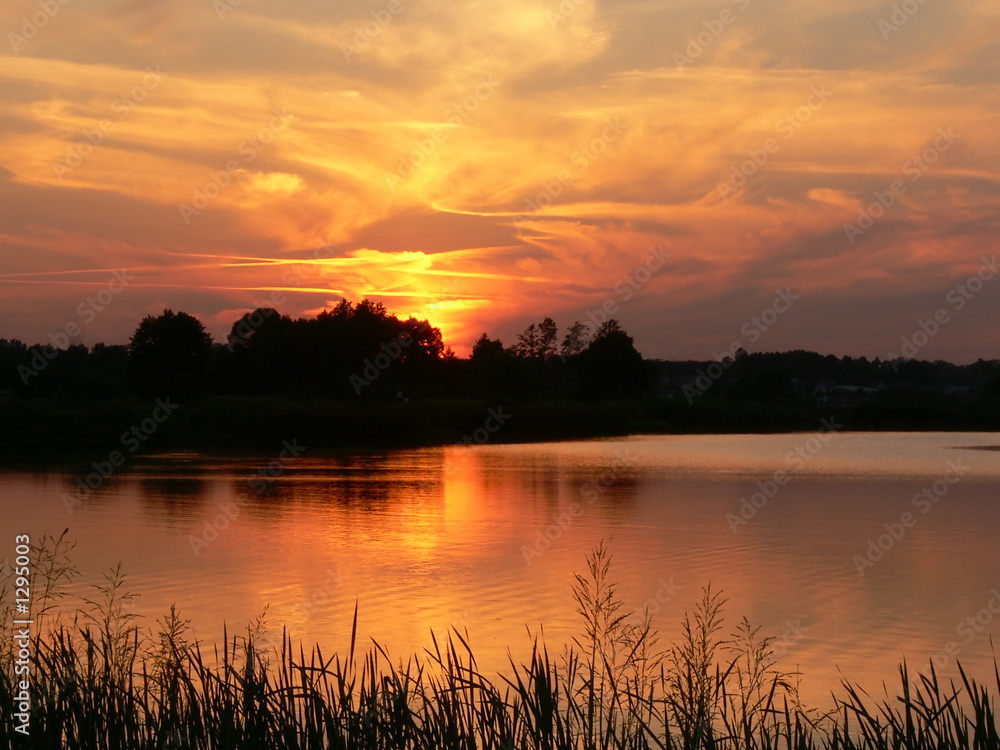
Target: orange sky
x,y
405,149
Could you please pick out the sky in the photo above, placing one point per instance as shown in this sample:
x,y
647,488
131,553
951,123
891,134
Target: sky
x,y
776,175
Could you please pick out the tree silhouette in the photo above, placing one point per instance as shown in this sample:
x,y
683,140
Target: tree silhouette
x,y
537,341
362,352
527,342
611,367
486,349
244,328
346,352
548,331
170,349
576,340
263,351
490,367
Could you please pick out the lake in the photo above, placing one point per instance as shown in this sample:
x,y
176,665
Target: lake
x,y
854,550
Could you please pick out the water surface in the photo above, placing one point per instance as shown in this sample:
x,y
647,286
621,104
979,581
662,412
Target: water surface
x,y
487,539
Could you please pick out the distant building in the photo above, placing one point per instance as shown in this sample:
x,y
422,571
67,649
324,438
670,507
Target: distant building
x,y
829,393
960,391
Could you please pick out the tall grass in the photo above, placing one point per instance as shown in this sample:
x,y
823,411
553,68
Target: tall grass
x,y
100,681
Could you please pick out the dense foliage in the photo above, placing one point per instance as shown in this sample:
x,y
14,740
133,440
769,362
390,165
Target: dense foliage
x,y
363,353
345,353
100,680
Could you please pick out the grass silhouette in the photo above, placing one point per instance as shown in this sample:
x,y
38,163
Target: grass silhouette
x,y
98,680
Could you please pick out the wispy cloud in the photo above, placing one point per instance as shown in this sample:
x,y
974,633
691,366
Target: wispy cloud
x,y
443,243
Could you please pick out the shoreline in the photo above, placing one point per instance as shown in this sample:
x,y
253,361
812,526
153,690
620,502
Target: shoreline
x,y
56,432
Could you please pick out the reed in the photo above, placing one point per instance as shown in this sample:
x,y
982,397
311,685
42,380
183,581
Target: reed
x,y
100,681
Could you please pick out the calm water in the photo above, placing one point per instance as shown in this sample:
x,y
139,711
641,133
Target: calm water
x,y
488,539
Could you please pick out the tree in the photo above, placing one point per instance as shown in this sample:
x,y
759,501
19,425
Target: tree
x,y
243,329
527,342
609,327
262,350
611,367
537,341
486,349
576,339
168,348
547,333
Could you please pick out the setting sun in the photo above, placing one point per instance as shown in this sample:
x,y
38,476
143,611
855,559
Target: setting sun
x,y
481,165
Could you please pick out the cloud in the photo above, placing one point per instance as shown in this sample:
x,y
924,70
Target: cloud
x,y
485,164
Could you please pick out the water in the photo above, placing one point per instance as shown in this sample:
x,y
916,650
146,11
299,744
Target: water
x,y
488,538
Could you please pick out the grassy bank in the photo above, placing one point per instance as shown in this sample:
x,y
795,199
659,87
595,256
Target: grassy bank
x,y
99,681
56,429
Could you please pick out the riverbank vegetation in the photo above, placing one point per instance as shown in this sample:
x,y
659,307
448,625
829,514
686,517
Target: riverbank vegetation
x,y
100,680
63,432
356,376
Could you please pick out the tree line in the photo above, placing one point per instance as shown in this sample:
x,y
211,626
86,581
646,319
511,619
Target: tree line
x,y
351,351
361,352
